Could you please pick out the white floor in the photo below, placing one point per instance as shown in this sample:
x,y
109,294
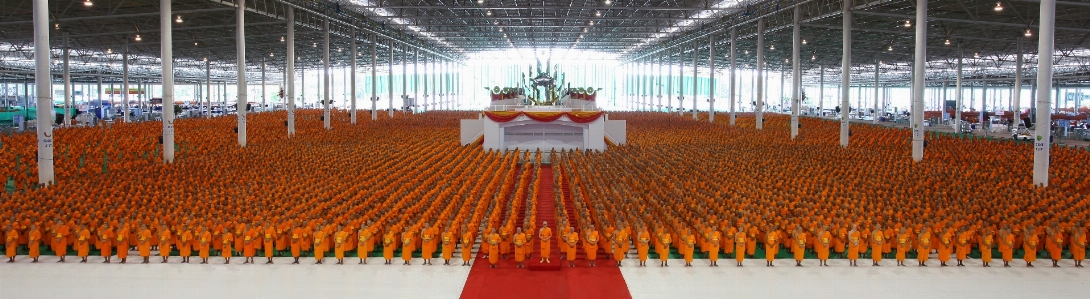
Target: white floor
x,y
754,280
48,279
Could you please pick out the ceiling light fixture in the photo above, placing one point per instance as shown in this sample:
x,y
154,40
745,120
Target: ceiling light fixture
x,y
908,23
592,23
137,38
480,1
501,29
772,47
178,20
890,49
813,57
488,12
315,45
281,39
998,6
88,3
946,43
1029,33
804,42
607,2
270,54
597,13
976,55
194,43
56,26
109,51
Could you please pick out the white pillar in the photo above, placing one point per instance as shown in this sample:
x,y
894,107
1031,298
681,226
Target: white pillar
x,y
240,49
695,67
760,71
425,79
680,81
846,72
404,77
374,77
208,87
821,91
919,62
263,101
796,72
390,76
733,58
669,83
1016,97
711,78
68,83
958,94
289,66
658,85
416,78
167,56
43,83
325,75
355,56
1043,136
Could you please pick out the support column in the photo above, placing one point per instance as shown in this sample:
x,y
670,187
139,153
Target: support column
x,y
919,72
167,45
124,85
733,66
958,93
658,85
1016,97
208,87
760,73
68,82
263,101
846,72
352,76
240,49
374,77
821,91
680,81
43,83
390,63
711,78
325,75
1043,136
416,78
796,72
695,68
425,79
877,70
669,83
404,77
289,66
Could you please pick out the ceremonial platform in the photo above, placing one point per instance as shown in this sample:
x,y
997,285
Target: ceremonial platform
x,y
543,128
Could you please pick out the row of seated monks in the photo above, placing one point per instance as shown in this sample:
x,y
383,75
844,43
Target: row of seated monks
x,y
679,187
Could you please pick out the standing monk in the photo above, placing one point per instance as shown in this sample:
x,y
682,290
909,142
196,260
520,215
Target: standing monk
x,y
545,234
467,245
83,242
902,246
571,240
1078,244
11,242
799,245
105,242
270,237
1055,243
296,242
34,239
690,246
772,246
740,245
713,247
339,239
662,247
428,245
1029,245
319,244
643,245
363,247
185,243
987,242
388,243
164,243
590,246
60,247
823,242
923,250
122,242
944,247
448,243
407,246
878,241
1006,245
520,246
144,243
853,246
225,244
205,241
493,248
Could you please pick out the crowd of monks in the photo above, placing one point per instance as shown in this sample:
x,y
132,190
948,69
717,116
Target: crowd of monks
x,y
403,185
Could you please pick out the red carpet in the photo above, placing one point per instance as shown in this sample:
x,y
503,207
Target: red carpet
x,y
507,281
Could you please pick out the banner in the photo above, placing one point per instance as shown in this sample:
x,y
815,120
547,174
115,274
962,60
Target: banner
x,y
578,117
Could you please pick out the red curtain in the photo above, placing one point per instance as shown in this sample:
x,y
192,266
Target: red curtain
x,y
578,117
584,117
544,116
502,116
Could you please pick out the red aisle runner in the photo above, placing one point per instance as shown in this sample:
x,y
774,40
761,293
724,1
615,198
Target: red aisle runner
x,y
507,281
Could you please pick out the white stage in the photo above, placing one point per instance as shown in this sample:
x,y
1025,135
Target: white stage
x,y
526,133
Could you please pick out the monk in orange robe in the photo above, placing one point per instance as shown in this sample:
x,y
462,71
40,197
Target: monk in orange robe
x,y
83,242
853,246
122,238
364,237
339,239
643,245
104,242
319,244
493,248
689,247
572,239
505,241
902,246
185,242
620,245
662,247
59,244
740,245
1029,245
144,243
164,242
296,242
249,244
467,245
205,244
590,246
798,246
270,238
11,242
962,246
987,242
771,247
923,246
34,240
407,246
713,248
824,242
945,246
448,243
520,246
1055,243
878,242
388,243
1078,245
427,237
225,244
545,235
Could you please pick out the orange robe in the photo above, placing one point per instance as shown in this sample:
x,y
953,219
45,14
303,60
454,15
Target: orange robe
x,y
772,246
11,242
902,246
1078,247
824,241
945,245
494,248
296,241
713,246
986,244
520,247
60,247
34,243
1029,245
122,238
339,240
643,245
590,247
853,245
205,244
467,246
407,246
740,246
184,242
572,240
144,246
448,243
319,244
225,244
270,238
690,247
878,242
923,249
799,250
249,243
83,243
546,239
105,242
662,247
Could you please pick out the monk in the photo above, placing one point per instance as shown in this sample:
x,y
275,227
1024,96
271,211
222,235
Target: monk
x,y
643,245
798,246
388,243
296,242
1078,244
571,240
448,243
878,241
945,245
987,242
493,248
34,239
962,248
104,243
427,236
902,246
590,246
689,247
407,246
319,244
740,245
823,244
122,238
205,243
270,237
1029,245
620,245
772,246
1055,243
505,241
144,243
545,236
59,244
11,242
853,246
225,244
713,247
467,245
663,249
339,239
1006,245
83,242
363,237
923,249
520,246
249,243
